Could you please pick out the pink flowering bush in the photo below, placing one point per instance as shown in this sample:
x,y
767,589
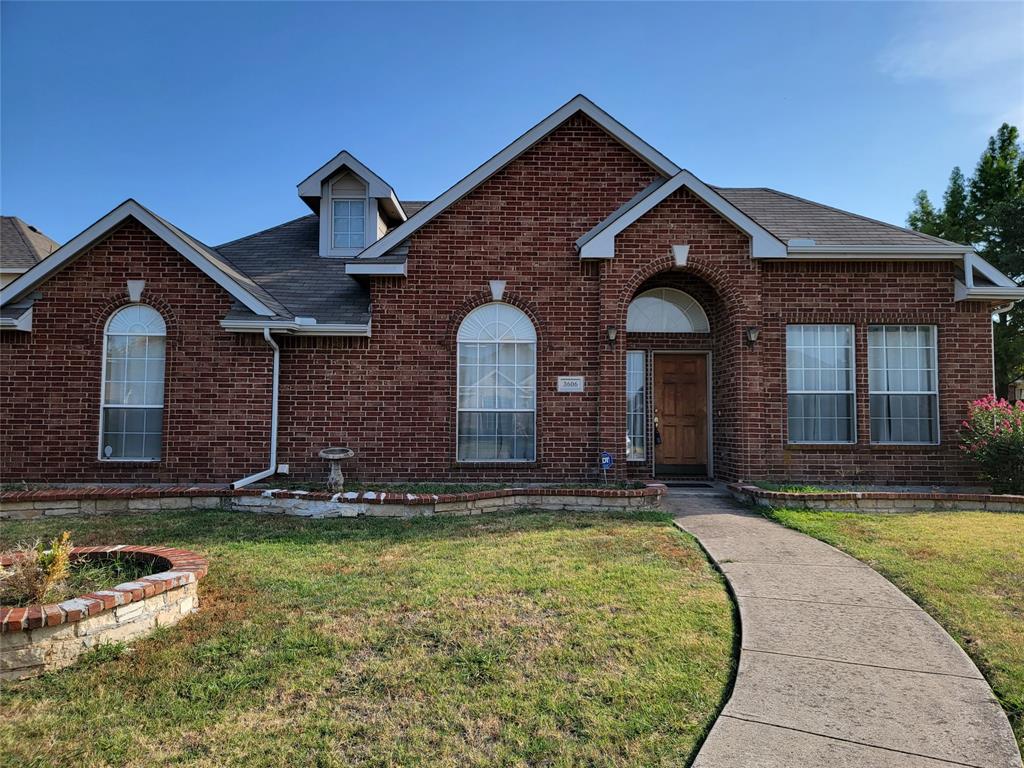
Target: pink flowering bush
x,y
993,435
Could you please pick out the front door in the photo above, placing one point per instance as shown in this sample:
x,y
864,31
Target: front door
x,y
681,414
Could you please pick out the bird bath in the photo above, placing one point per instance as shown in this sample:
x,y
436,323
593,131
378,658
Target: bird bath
x,y
336,480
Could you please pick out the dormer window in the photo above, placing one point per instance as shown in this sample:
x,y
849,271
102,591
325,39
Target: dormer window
x,y
355,205
348,223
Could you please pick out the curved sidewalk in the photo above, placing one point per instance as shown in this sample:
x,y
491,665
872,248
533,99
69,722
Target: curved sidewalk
x,y
837,665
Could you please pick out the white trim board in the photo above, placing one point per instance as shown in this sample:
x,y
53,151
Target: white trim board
x,y
462,188
297,327
599,243
131,209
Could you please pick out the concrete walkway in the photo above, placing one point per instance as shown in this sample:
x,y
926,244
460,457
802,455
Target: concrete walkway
x,y
838,668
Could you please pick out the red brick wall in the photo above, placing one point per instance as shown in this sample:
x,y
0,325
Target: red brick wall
x,y
394,401
864,294
392,397
217,390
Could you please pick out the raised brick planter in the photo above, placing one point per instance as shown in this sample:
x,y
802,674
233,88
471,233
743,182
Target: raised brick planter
x,y
23,505
879,501
39,638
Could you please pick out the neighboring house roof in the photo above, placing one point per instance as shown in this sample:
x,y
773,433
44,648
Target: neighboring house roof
x,y
789,217
286,260
251,295
22,245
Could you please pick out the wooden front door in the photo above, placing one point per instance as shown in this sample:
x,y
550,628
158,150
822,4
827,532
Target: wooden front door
x,y
681,414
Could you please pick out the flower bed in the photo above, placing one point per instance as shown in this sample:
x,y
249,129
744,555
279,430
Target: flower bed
x,y
96,500
878,501
39,638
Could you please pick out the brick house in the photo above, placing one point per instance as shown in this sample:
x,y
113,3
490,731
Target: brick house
x,y
576,293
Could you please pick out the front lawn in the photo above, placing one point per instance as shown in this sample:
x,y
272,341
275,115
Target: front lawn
x,y
527,639
965,568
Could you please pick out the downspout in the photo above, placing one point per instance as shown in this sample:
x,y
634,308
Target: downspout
x,y
273,419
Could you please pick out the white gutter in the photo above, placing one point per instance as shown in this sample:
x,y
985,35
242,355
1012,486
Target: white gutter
x,y
273,418
300,326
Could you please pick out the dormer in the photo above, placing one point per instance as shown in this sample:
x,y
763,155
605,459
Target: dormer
x,y
356,206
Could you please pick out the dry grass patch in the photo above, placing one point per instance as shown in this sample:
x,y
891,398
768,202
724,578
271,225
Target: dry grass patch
x,y
528,639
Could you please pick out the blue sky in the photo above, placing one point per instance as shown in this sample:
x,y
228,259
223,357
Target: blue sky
x,y
211,113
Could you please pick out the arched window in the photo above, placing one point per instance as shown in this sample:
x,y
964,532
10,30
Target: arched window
x,y
497,385
133,385
666,310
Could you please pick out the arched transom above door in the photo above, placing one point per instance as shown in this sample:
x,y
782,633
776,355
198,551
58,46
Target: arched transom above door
x,y
666,310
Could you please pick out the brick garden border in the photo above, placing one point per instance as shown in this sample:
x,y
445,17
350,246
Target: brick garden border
x,y
105,500
879,501
40,638
178,568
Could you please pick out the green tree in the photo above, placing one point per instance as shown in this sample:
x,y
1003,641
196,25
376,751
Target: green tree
x,y
987,212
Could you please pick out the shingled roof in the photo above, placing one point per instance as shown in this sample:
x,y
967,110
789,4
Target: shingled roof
x,y
22,245
286,261
789,217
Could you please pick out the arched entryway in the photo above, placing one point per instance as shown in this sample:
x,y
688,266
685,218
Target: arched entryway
x,y
671,326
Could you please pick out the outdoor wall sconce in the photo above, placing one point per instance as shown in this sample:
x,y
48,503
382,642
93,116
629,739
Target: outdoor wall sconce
x,y
753,333
612,333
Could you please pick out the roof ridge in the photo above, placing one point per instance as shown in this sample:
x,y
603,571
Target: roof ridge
x,y
264,231
21,234
855,215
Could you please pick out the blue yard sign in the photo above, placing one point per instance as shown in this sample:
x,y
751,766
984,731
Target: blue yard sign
x,y
607,462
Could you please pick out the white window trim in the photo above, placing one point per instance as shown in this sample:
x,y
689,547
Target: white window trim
x,y
935,367
346,199
643,372
695,312
370,214
852,392
459,409
103,397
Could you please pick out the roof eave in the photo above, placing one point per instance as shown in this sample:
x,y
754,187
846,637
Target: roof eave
x,y
21,323
92,234
297,327
369,268
878,252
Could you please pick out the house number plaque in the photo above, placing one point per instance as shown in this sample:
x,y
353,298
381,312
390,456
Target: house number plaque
x,y
571,383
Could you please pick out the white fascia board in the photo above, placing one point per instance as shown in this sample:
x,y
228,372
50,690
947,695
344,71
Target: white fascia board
x,y
21,323
372,268
990,293
877,252
297,328
462,188
973,261
130,209
764,245
376,186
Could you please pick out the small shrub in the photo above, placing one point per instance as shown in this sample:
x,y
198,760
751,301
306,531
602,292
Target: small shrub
x,y
993,436
36,571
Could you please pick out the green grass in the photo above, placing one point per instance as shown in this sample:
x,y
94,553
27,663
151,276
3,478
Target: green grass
x,y
965,568
792,487
526,639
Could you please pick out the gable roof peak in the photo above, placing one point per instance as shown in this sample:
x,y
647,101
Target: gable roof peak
x,y
238,284
311,187
576,105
